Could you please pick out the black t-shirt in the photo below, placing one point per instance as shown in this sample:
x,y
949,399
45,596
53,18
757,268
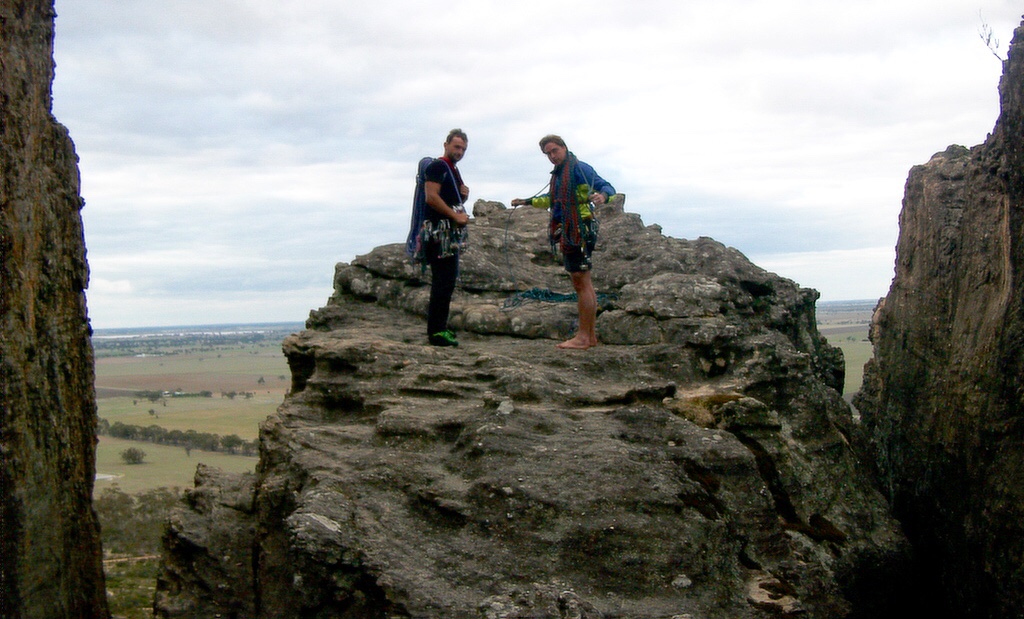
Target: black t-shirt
x,y
439,172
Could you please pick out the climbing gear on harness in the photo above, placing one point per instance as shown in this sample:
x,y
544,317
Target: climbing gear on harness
x,y
448,239
423,233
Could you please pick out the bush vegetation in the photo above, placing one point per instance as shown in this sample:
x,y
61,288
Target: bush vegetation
x,y
131,527
188,439
133,455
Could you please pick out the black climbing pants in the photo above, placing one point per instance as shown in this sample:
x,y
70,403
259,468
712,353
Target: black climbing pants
x,y
443,273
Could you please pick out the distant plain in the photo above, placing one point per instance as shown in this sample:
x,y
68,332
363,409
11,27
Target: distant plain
x,y
845,324
242,368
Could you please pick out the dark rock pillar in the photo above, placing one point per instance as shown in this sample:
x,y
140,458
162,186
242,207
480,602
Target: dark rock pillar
x,y
49,537
944,396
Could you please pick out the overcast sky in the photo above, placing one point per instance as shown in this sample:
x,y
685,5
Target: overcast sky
x,y
233,151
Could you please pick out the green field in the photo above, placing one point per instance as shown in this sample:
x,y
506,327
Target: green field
x,y
227,369
845,325
217,415
146,379
856,352
164,466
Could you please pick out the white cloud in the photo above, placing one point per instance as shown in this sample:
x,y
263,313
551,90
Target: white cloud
x,y
286,305
110,288
839,275
278,138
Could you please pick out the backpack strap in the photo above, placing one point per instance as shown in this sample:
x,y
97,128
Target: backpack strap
x,y
455,182
419,208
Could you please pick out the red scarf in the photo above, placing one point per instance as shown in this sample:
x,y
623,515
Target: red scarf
x,y
572,235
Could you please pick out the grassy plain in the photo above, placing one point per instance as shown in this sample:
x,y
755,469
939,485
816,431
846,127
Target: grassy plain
x,y
225,369
248,367
246,375
164,466
217,415
845,325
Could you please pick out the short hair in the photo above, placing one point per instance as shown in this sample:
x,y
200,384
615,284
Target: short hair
x,y
552,138
456,133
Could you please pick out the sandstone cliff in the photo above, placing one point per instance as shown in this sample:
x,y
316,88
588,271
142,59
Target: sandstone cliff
x,y
699,463
49,537
943,396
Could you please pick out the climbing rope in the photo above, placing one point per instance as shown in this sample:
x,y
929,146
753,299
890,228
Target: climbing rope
x,y
540,294
548,296
504,244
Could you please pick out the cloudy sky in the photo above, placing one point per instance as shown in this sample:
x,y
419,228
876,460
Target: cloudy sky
x,y
233,151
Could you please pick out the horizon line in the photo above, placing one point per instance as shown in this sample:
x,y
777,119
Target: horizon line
x,y
275,323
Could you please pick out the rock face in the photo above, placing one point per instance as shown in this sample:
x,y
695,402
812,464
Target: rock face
x,y
49,537
944,397
699,463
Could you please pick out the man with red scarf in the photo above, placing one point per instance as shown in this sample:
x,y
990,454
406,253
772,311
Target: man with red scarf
x,y
574,191
446,230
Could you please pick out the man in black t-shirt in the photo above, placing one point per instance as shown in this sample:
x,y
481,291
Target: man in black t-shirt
x,y
446,195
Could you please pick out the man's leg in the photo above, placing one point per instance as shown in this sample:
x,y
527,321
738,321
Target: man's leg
x,y
586,303
443,273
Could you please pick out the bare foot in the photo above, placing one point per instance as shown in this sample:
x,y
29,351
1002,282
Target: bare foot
x,y
577,343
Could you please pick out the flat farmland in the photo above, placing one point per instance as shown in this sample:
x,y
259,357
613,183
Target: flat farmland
x,y
845,324
216,415
224,370
164,466
221,381
245,386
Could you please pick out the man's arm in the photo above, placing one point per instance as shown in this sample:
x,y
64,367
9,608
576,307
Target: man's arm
x,y
597,184
433,193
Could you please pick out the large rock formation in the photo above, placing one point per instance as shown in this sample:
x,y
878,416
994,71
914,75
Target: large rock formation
x,y
944,396
700,463
49,537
